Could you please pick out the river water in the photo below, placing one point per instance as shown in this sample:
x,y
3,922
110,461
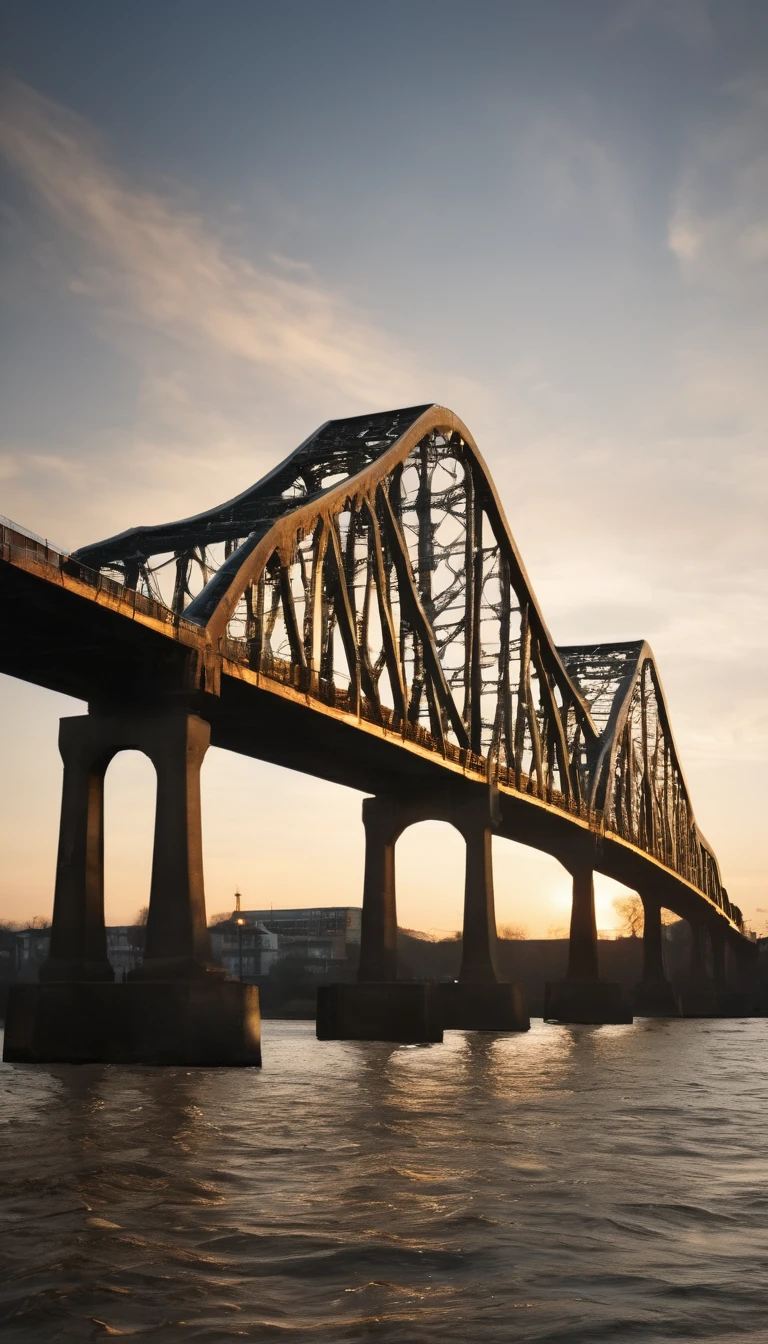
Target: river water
x,y
571,1184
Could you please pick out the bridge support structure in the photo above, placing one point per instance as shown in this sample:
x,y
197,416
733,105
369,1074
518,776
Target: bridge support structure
x,y
478,1000
654,995
709,991
567,757
583,996
177,1008
701,994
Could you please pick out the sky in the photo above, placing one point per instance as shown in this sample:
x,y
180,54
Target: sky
x,y
222,223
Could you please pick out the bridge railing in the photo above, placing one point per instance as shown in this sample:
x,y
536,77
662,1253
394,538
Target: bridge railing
x,y
20,547
338,697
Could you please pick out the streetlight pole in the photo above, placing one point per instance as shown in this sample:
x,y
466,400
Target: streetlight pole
x,y
240,924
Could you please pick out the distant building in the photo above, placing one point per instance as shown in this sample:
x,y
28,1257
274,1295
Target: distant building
x,y
32,945
326,932
318,936
124,948
9,954
246,950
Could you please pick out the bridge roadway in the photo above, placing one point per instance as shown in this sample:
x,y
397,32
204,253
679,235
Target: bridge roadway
x,y
72,631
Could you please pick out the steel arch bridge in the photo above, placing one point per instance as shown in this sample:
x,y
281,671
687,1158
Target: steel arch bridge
x,y
363,613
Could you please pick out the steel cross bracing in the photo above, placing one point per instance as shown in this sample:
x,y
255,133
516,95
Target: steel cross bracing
x,y
375,569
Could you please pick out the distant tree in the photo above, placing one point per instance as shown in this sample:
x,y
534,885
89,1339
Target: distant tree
x,y
632,917
432,936
512,931
222,918
39,922
629,910
137,935
557,931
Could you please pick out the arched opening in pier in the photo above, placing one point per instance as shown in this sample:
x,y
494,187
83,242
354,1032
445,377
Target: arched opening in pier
x,y
32,773
618,909
278,836
532,890
429,873
130,789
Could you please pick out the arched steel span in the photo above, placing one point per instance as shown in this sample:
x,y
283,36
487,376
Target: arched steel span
x,y
374,569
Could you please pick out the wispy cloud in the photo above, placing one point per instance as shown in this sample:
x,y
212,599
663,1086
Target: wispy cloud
x,y
690,20
234,362
160,263
718,229
572,173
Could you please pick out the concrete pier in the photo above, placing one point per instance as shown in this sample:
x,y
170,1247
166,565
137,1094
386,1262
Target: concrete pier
x,y
583,996
654,995
378,937
656,998
196,1023
397,1010
479,1001
595,1001
484,1007
177,1008
380,1007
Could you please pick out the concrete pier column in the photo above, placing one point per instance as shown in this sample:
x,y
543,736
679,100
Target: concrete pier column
x,y
653,958
704,994
717,941
78,949
745,955
582,946
478,960
583,996
178,944
378,935
654,995
699,960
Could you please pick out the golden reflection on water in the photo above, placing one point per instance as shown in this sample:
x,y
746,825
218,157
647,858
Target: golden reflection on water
x,y
581,1177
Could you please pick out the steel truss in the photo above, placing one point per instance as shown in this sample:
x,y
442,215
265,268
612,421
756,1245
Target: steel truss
x,y
375,569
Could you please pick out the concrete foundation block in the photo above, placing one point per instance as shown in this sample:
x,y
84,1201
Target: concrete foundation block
x,y
737,1003
656,998
590,1001
702,1000
499,1007
698,1000
386,1010
140,1022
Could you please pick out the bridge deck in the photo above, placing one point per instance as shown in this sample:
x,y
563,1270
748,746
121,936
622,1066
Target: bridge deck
x,y
72,631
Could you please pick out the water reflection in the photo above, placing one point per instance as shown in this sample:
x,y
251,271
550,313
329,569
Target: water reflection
x,y
565,1184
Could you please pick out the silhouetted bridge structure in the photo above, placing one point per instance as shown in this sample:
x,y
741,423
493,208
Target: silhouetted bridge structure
x,y
361,613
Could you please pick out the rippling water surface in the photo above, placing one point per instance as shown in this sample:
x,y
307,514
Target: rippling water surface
x,y
576,1184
